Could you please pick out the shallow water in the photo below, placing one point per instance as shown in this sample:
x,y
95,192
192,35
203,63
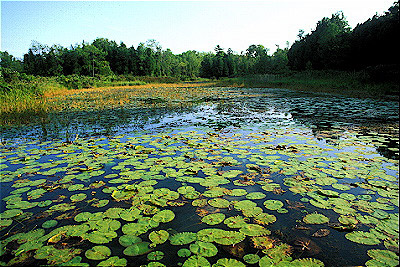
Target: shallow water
x,y
332,155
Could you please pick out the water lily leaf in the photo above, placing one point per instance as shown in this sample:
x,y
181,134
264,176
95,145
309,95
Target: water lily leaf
x,y
245,204
159,237
130,214
213,219
137,249
228,237
237,192
196,261
113,261
254,230
219,203
183,238
315,218
264,218
204,249
251,258
127,240
155,255
199,202
99,237
10,213
273,204
136,229
184,252
307,262
76,261
235,222
98,253
362,237
49,224
224,262
386,257
255,195
347,220
78,197
328,193
164,216
252,212
5,223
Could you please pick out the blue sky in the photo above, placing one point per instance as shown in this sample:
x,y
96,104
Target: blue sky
x,y
178,25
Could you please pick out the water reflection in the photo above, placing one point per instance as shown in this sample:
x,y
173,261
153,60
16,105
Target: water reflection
x,y
326,115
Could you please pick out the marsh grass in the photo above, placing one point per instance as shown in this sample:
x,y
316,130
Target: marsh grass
x,y
29,101
354,84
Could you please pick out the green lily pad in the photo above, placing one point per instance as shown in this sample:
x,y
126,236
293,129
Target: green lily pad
x,y
204,249
158,237
196,261
235,222
155,255
272,204
113,261
219,203
184,252
49,224
164,216
183,238
98,253
251,258
213,219
137,249
78,197
264,218
362,237
255,195
254,230
127,240
245,204
309,262
315,218
224,262
386,257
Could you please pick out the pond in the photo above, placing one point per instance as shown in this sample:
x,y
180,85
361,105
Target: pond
x,y
201,176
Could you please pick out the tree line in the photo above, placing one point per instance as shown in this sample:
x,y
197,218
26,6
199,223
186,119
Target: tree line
x,y
331,45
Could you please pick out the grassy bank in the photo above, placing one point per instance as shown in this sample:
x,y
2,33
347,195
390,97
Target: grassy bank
x,y
356,84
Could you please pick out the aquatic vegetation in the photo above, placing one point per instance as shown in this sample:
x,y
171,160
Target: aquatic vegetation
x,y
200,191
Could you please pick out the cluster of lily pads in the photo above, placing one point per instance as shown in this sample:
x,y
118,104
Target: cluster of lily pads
x,y
119,201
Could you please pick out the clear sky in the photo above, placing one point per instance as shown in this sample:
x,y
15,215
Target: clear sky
x,y
178,25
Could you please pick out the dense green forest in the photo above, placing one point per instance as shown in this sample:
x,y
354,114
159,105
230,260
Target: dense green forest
x,y
371,46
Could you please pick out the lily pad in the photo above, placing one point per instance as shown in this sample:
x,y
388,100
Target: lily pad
x,y
98,253
219,203
113,261
386,257
362,237
204,249
127,240
272,204
315,218
213,219
183,238
137,249
158,237
224,262
155,255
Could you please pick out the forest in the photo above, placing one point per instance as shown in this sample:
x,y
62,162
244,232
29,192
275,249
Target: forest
x,y
370,47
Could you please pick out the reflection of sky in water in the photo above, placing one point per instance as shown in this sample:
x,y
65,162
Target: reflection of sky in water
x,y
209,113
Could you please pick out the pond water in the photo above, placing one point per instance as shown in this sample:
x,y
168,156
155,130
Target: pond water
x,y
255,177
